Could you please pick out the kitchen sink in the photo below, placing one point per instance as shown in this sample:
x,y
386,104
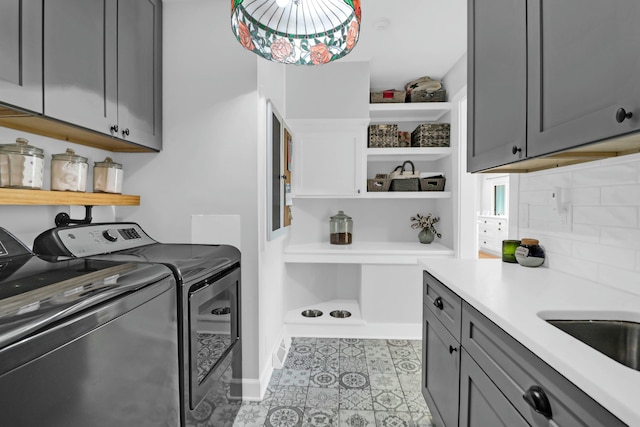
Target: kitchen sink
x,y
617,339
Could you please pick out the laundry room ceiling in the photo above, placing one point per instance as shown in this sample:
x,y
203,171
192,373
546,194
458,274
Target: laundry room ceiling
x,y
410,38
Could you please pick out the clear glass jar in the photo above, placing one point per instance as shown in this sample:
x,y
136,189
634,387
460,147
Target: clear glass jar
x,y
341,229
21,165
107,176
530,253
69,172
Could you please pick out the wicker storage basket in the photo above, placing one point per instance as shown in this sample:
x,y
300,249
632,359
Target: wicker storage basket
x,y
431,135
435,183
383,136
379,183
439,95
405,184
387,96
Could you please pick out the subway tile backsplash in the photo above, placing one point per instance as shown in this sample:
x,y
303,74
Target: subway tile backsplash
x,y
601,240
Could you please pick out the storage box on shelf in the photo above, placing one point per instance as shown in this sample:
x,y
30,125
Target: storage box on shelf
x,y
383,135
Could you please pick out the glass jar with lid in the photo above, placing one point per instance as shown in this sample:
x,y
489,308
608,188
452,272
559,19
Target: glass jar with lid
x,y
69,172
530,253
107,176
341,229
21,165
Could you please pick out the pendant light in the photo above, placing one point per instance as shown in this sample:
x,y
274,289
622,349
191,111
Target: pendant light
x,y
300,32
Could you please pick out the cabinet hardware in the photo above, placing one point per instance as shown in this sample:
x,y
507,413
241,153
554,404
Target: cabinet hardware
x,y
114,129
125,132
452,349
537,399
438,303
622,114
515,150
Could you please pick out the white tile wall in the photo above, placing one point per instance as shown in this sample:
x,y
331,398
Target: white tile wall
x,y
601,240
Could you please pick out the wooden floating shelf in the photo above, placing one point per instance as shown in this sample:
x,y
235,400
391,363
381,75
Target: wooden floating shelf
x,y
14,196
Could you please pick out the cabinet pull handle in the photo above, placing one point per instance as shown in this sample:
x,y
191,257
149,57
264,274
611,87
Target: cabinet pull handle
x,y
438,303
515,150
125,132
452,349
621,115
537,399
114,129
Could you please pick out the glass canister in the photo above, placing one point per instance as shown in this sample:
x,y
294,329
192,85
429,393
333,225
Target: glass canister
x,y
341,229
509,250
21,165
107,176
530,253
69,172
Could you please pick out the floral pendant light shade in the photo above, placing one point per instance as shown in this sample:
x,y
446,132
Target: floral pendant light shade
x,y
301,32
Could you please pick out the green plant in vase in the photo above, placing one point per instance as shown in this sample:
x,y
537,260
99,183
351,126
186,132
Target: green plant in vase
x,y
426,224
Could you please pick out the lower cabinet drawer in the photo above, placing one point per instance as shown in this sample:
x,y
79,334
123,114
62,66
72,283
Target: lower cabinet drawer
x,y
443,303
516,371
481,402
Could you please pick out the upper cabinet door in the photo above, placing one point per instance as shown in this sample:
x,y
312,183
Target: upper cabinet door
x,y
583,68
497,88
21,54
139,72
80,64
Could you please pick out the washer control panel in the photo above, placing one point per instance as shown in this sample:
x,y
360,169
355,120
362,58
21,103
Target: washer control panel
x,y
97,239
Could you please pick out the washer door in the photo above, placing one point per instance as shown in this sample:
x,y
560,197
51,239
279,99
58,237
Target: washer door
x,y
213,331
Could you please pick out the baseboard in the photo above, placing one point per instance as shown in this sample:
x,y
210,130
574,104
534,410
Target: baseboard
x,y
407,331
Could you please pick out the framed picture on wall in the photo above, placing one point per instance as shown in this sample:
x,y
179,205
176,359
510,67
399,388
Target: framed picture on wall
x,y
278,174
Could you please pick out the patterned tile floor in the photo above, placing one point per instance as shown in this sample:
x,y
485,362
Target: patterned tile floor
x,y
330,382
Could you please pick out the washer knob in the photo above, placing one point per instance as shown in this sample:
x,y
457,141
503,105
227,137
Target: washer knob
x,y
110,234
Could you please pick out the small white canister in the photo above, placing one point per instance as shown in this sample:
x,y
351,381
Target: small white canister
x,y
21,165
69,172
107,176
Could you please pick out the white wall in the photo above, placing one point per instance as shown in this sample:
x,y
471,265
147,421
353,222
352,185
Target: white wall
x,y
271,86
602,242
210,147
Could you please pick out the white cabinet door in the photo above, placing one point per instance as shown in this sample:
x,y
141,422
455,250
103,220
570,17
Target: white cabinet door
x,y
328,160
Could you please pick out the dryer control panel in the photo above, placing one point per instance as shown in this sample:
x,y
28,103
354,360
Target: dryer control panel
x,y
91,239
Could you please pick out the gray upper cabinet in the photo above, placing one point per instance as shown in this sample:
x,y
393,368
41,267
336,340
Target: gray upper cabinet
x,y
140,71
102,67
80,62
497,70
551,76
21,54
583,68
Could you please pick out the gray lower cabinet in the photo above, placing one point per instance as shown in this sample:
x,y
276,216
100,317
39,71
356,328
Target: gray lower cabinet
x,y
497,83
21,54
441,370
575,46
481,402
102,67
484,377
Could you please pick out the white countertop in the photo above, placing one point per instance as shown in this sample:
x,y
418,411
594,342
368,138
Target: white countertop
x,y
514,298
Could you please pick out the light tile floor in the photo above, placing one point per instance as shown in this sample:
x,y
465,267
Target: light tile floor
x,y
330,382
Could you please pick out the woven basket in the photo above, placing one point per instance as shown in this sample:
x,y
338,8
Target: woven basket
x,y
431,135
439,95
382,136
387,96
378,184
432,184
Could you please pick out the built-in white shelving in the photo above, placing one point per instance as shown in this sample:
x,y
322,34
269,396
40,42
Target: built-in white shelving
x,y
408,112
